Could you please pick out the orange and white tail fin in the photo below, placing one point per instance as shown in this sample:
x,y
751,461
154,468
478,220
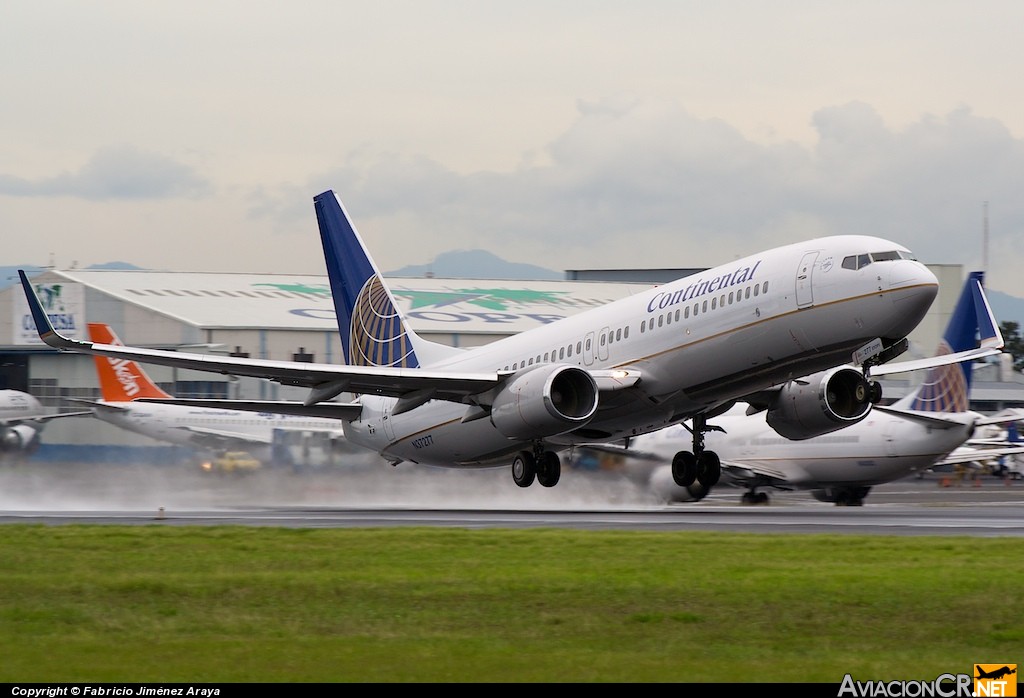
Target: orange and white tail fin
x,y
121,380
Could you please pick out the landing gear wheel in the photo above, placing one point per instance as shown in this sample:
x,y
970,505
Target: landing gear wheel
x,y
754,498
684,468
876,393
524,468
549,469
709,469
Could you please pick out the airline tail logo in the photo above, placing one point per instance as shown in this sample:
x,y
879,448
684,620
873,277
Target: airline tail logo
x,y
121,380
944,389
122,371
995,680
378,336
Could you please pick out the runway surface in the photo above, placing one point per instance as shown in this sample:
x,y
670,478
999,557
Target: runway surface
x,y
376,494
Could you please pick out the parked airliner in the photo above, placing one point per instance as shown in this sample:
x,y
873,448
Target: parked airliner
x,y
22,419
123,382
687,349
929,427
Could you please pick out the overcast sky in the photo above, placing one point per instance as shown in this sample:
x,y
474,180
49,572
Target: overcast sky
x,y
192,136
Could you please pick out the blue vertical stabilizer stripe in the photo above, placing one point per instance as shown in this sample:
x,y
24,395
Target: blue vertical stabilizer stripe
x,y
962,330
348,266
372,330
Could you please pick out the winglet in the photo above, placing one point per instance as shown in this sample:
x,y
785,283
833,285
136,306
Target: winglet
x,y
43,326
988,329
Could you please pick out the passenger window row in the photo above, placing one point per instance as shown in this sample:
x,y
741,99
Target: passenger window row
x,y
567,352
705,306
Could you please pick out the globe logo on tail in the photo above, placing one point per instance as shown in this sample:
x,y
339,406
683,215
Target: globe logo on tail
x,y
944,389
378,336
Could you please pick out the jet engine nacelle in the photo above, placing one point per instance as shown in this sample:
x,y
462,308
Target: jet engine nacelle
x,y
544,401
822,403
16,438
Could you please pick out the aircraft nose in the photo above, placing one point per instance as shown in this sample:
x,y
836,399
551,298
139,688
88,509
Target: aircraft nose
x,y
914,288
908,273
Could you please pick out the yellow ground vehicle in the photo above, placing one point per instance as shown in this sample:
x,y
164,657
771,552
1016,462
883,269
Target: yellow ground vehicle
x,y
232,462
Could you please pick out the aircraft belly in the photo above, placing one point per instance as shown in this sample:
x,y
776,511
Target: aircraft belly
x,y
866,470
639,416
815,339
434,437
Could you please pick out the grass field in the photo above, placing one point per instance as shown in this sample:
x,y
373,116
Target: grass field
x,y
241,604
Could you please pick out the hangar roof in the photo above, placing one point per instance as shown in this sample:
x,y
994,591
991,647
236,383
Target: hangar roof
x,y
295,301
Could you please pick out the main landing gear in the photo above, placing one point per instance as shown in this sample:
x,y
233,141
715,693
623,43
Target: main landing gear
x,y
699,466
543,465
752,496
852,496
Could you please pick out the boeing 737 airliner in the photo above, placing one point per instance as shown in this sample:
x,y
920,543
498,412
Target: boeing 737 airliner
x,y
684,350
924,429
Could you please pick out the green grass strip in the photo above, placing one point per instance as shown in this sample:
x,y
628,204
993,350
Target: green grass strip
x,y
250,604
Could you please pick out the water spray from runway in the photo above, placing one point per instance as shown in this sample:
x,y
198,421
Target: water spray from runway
x,y
363,481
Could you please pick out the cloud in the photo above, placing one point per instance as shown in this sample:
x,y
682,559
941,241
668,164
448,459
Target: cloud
x,y
629,182
115,172
671,189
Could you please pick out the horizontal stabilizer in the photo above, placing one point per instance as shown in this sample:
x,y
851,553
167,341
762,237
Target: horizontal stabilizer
x,y
1007,416
968,454
929,420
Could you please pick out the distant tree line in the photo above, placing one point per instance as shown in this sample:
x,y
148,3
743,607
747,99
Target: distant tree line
x,y
1014,343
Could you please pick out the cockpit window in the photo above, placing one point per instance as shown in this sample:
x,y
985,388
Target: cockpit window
x,y
884,256
859,261
856,261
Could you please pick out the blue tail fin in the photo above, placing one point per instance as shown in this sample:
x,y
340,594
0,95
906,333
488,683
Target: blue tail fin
x,y
947,388
373,332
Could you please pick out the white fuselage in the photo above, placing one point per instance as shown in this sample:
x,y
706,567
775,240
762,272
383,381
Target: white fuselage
x,y
698,342
881,448
209,428
15,404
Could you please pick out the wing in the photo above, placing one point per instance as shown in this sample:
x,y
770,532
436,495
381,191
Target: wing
x,y
968,454
754,475
218,438
324,380
414,386
933,420
41,418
